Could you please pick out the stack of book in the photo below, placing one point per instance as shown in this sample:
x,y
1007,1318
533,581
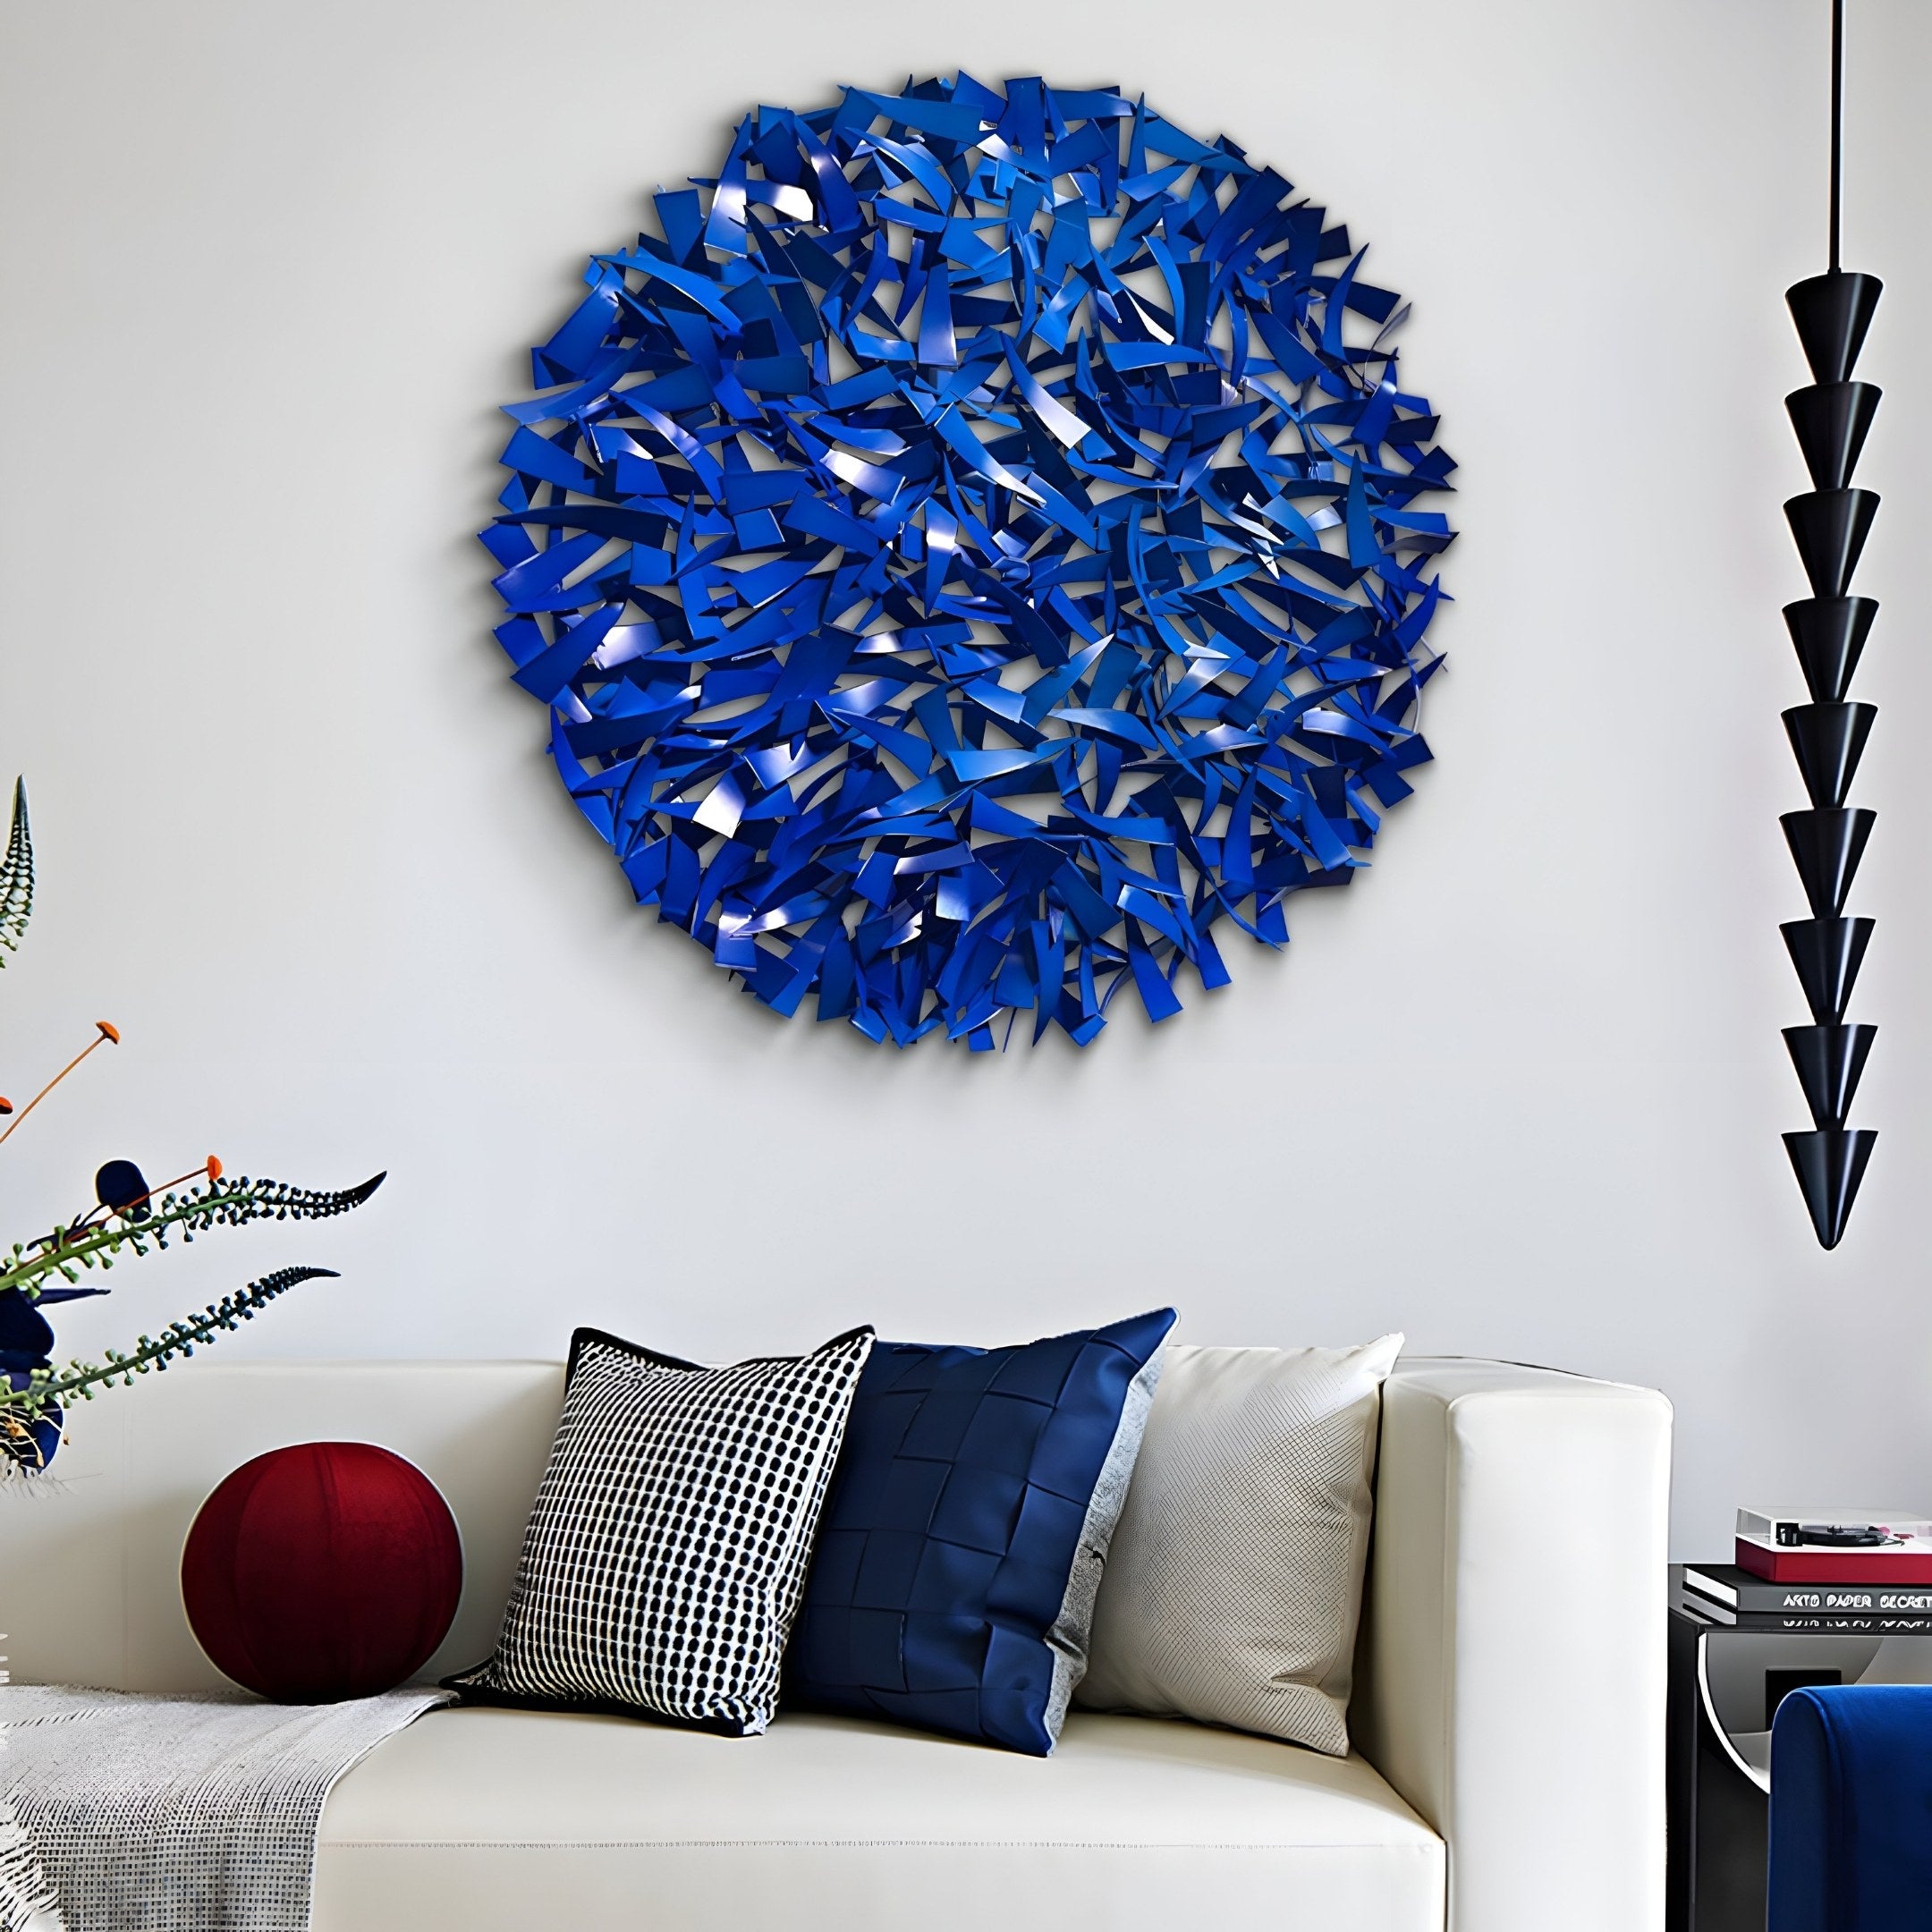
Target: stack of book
x,y
1850,1570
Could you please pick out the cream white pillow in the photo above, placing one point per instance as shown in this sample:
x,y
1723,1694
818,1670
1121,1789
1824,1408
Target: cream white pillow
x,y
1234,1581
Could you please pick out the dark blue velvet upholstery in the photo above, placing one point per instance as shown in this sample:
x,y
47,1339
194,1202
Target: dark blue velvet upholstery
x,y
951,1527
1852,1809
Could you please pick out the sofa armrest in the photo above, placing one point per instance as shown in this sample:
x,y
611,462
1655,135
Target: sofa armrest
x,y
1511,1682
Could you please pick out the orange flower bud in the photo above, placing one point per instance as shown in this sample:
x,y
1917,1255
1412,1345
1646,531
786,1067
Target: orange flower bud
x,y
109,1030
6,1106
214,1169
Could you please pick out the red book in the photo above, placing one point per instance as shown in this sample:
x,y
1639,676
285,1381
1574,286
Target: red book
x,y
1881,1568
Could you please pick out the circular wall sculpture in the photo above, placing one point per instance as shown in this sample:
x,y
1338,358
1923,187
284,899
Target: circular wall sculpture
x,y
979,545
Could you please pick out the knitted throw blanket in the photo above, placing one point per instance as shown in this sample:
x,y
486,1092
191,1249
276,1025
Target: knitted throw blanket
x,y
26,1892
173,1814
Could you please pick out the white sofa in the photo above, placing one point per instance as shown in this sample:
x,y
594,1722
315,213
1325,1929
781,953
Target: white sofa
x,y
1509,1716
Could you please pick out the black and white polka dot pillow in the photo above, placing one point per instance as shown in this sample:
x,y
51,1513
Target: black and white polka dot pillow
x,y
666,1550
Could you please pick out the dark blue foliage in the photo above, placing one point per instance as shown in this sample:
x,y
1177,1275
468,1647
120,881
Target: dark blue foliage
x,y
26,1344
121,1185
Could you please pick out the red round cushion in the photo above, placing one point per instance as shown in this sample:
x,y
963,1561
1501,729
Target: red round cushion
x,y
322,1572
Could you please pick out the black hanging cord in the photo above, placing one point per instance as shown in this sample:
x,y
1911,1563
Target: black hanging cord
x,y
1838,120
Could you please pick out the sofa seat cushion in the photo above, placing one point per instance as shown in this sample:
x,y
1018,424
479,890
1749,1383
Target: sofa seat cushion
x,y
484,1818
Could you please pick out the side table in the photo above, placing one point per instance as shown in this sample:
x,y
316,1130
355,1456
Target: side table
x,y
1726,1679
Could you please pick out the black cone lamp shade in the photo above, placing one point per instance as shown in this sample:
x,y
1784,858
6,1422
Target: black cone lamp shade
x,y
1833,311
1829,1060
1829,524
1825,847
1832,421
1828,739
1829,1163
1829,528
1828,634
1826,953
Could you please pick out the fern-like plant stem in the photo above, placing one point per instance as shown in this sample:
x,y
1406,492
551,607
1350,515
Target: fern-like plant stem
x,y
220,1204
21,1408
101,1038
16,876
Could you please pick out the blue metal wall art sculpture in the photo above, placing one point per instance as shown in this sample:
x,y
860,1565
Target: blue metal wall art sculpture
x,y
1829,524
980,544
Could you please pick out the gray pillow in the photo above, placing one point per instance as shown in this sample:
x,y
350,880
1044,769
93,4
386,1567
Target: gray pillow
x,y
1234,1581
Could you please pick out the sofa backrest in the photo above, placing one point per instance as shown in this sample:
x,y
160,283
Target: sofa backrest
x,y
90,1552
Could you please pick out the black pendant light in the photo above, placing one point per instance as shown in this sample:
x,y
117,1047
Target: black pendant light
x,y
1829,524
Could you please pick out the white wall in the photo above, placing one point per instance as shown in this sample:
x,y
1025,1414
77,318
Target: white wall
x,y
269,267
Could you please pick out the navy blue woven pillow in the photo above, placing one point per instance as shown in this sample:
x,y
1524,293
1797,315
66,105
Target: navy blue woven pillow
x,y
962,1544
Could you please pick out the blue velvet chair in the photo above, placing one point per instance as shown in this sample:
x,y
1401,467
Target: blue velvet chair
x,y
1852,1809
